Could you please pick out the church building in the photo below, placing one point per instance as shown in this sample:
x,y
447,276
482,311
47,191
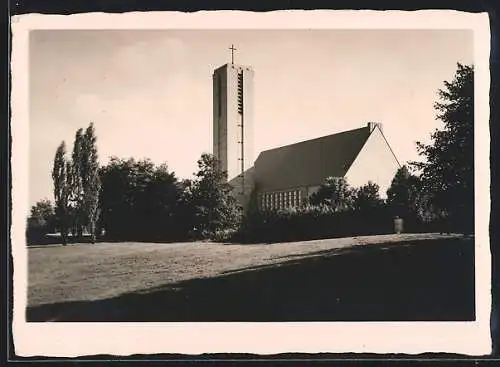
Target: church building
x,y
284,177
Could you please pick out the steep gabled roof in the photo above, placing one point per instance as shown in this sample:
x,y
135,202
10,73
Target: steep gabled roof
x,y
309,162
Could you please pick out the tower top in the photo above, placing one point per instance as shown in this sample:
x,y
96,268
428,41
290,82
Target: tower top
x,y
232,53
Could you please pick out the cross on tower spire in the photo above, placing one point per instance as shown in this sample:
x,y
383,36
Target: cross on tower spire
x,y
232,53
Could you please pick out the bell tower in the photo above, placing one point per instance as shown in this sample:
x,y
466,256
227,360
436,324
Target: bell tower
x,y
233,123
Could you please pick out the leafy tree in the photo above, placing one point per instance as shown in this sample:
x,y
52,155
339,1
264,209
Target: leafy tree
x,y
186,209
43,212
161,199
216,208
402,194
77,192
407,199
119,196
140,201
89,175
335,193
62,190
41,220
447,173
367,196
77,184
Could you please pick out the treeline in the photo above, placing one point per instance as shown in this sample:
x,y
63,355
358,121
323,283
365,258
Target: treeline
x,y
141,201
339,210
335,210
136,200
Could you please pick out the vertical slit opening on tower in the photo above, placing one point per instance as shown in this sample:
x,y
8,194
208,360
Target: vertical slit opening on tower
x,y
240,126
240,92
219,95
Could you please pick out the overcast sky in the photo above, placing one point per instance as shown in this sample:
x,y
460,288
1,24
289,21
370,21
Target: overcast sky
x,y
149,93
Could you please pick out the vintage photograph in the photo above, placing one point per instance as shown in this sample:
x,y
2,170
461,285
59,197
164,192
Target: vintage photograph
x,y
251,175
232,175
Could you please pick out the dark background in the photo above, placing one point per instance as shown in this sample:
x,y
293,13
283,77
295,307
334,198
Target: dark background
x,y
119,6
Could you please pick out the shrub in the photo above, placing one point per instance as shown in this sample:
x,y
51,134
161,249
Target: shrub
x,y
314,222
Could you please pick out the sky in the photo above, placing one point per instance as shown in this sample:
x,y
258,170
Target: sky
x,y
149,93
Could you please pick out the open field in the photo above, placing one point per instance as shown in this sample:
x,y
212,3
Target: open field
x,y
394,277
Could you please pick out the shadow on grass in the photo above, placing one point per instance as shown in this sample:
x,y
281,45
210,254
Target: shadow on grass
x,y
419,281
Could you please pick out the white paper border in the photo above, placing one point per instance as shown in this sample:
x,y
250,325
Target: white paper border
x,y
78,339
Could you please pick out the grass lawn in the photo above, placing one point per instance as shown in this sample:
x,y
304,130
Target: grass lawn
x,y
393,277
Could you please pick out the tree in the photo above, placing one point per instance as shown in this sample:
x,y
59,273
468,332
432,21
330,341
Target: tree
x,y
62,190
91,184
215,207
122,188
43,213
140,201
41,220
186,208
367,196
447,173
161,198
407,199
402,194
335,193
77,191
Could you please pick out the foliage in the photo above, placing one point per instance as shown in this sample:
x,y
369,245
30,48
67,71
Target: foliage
x,y
42,221
139,201
62,190
76,200
77,185
408,200
338,210
335,210
367,196
43,213
404,194
447,174
313,222
335,193
91,184
216,209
